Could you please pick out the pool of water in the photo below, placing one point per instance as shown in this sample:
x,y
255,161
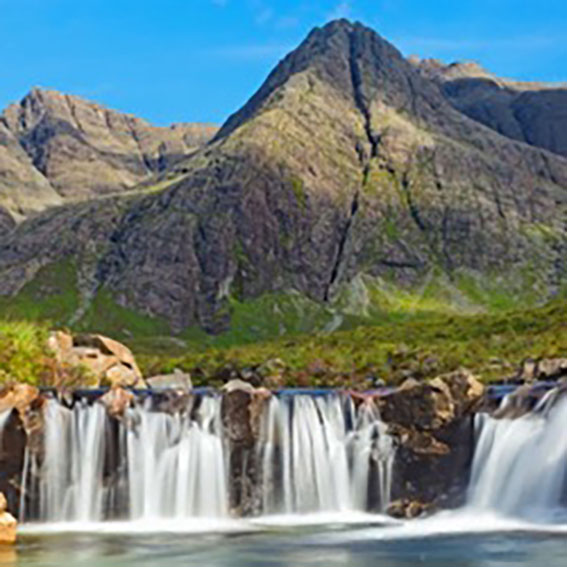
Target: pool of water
x,y
444,541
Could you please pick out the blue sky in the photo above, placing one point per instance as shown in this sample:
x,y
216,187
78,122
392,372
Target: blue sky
x,y
200,60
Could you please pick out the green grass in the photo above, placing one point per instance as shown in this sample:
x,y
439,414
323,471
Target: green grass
x,y
23,352
492,345
373,328
107,317
51,296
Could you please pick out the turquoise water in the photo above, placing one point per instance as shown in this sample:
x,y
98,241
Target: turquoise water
x,y
441,542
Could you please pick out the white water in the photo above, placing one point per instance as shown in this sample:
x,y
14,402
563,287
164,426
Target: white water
x,y
318,454
320,458
520,465
169,465
176,466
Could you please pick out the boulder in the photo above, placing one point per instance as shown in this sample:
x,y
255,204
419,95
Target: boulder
x,y
405,509
19,397
431,423
242,410
179,380
533,370
433,404
117,401
110,363
8,524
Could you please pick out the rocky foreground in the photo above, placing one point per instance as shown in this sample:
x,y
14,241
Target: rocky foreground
x,y
431,422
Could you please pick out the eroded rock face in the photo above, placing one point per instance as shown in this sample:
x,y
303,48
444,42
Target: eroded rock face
x,y
432,423
530,112
110,363
242,407
63,147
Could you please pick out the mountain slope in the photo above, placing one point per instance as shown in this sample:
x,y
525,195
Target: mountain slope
x,y
56,147
347,166
534,113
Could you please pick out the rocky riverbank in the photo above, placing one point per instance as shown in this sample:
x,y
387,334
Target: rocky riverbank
x,y
430,423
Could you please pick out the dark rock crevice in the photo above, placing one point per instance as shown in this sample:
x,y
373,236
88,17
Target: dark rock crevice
x,y
335,272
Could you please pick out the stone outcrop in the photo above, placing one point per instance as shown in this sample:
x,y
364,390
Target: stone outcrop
x,y
8,524
117,401
106,361
432,423
179,381
542,369
242,408
22,407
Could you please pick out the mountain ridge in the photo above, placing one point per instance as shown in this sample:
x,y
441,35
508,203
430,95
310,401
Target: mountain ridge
x,y
348,166
70,148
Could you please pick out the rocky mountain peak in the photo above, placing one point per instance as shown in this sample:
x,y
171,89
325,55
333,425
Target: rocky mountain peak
x,y
63,144
438,70
350,57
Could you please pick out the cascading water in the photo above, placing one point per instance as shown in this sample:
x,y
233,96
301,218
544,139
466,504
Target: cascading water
x,y
520,465
176,465
152,465
319,454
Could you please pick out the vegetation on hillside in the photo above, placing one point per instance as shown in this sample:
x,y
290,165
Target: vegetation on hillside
x,y
374,331
491,345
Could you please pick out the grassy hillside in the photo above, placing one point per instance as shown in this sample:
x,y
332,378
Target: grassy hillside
x,y
373,330
492,345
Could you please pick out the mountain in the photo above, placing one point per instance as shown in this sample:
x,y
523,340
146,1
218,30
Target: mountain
x,y
534,113
348,174
56,148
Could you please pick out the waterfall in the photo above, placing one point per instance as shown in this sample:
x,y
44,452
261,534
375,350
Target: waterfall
x,y
315,454
319,454
176,465
520,465
151,465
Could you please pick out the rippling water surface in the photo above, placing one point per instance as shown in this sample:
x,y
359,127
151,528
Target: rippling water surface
x,y
444,541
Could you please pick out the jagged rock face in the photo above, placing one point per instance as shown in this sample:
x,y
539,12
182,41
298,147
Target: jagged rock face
x,y
346,161
432,423
242,409
55,146
23,188
533,113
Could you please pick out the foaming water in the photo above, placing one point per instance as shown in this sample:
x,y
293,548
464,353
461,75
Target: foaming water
x,y
153,465
317,455
520,465
320,454
176,465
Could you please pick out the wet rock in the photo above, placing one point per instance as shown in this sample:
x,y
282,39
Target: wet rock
x,y
117,401
8,524
405,509
533,370
242,409
18,397
432,425
107,361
